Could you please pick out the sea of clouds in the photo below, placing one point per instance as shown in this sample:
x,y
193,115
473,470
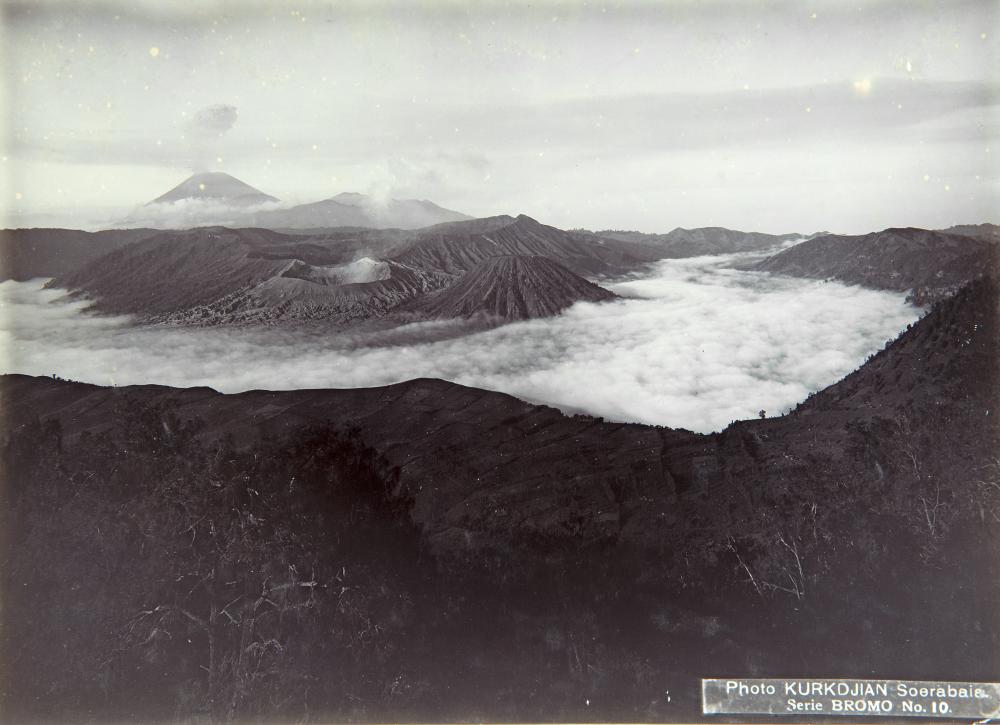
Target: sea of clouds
x,y
694,344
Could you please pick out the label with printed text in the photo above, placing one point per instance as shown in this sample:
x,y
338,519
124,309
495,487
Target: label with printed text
x,y
858,698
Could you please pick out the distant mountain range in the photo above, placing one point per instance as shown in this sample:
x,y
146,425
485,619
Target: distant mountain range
x,y
705,240
927,264
218,198
989,232
356,210
217,275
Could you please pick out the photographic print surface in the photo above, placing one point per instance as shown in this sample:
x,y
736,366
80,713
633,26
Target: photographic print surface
x,y
455,361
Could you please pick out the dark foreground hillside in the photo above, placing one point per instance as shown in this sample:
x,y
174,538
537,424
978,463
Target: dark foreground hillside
x,y
430,551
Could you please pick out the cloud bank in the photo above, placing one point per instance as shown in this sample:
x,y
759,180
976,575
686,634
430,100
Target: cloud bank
x,y
696,345
188,213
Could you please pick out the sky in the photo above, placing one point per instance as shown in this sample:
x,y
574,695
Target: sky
x,y
776,116
694,344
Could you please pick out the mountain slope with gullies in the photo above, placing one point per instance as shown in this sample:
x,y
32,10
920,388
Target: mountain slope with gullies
x,y
511,287
928,264
365,289
173,271
948,357
457,247
217,275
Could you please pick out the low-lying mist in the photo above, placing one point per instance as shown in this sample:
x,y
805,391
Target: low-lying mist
x,y
694,345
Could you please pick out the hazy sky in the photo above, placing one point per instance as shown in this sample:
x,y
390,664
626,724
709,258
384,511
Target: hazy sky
x,y
772,116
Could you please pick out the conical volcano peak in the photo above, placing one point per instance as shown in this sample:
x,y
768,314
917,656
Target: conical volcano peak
x,y
216,186
512,287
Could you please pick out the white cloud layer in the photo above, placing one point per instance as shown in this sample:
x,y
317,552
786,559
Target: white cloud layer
x,y
188,213
696,345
